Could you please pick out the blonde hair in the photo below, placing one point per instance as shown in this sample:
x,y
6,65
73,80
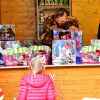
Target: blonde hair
x,y
37,65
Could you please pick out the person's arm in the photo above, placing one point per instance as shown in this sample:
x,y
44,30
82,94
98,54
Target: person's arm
x,y
51,91
23,90
72,23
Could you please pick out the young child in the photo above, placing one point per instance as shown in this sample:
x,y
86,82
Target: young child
x,y
36,86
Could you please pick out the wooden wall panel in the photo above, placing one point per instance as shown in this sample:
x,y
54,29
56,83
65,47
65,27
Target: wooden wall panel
x,y
88,14
76,82
22,14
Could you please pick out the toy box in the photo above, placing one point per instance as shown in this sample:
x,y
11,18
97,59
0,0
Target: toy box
x,y
63,52
77,36
61,34
95,41
90,55
12,44
7,32
66,34
78,54
22,56
16,56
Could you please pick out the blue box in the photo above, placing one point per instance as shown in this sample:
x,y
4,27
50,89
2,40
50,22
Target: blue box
x,y
63,52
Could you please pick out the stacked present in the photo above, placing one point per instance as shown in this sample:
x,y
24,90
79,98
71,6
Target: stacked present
x,y
71,41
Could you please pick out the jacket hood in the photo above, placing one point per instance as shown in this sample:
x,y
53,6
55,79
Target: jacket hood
x,y
37,80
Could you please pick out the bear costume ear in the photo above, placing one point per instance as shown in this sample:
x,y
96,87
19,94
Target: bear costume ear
x,y
1,94
98,35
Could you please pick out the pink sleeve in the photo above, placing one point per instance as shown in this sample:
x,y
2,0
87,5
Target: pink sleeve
x,y
23,90
51,91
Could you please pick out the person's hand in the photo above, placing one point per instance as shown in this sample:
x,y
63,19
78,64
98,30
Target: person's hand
x,y
73,28
52,76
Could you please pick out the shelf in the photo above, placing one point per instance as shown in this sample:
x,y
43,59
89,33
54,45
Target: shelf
x,y
52,7
53,66
72,65
13,67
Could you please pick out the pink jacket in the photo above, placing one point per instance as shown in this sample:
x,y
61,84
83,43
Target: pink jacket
x,y
36,87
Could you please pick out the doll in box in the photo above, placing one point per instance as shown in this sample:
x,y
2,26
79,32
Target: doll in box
x,y
12,44
77,36
64,35
63,52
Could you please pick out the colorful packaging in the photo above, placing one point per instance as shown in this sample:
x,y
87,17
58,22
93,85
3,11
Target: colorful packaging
x,y
77,36
66,34
12,44
63,52
61,34
41,51
7,32
90,55
16,56
22,56
78,54
95,42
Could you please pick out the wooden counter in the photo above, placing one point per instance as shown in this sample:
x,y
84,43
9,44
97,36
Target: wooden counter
x,y
76,81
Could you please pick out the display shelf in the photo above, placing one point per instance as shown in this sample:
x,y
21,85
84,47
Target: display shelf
x,y
52,66
72,65
52,7
13,67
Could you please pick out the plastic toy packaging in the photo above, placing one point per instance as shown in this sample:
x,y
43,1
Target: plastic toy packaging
x,y
61,34
73,35
40,51
16,56
66,34
95,41
90,55
12,44
7,32
77,36
63,52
